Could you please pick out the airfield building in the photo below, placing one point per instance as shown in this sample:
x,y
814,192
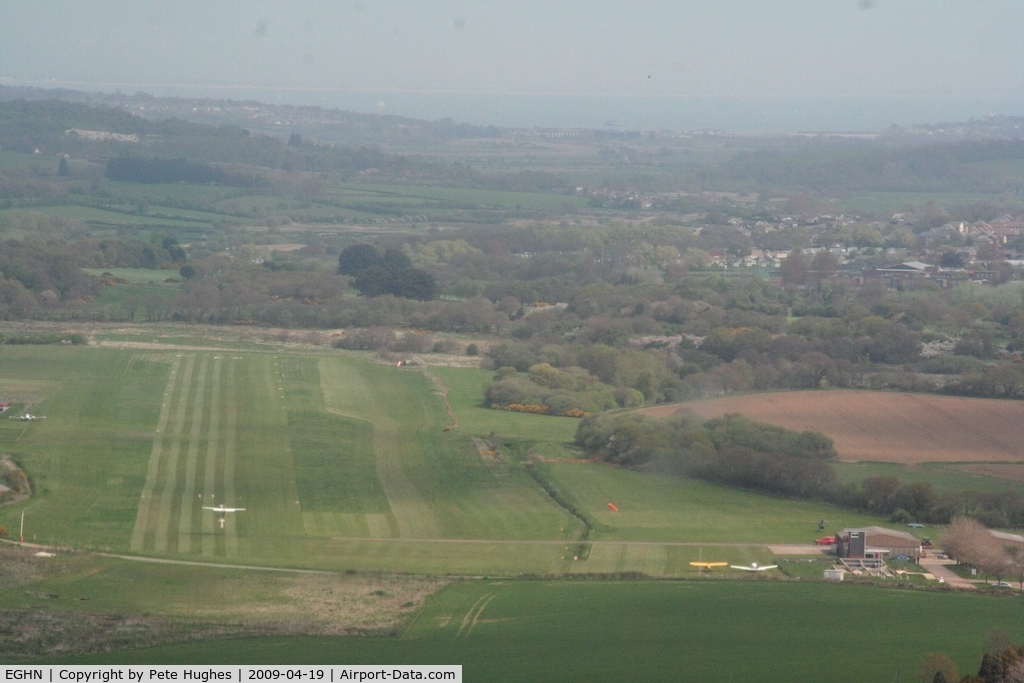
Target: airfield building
x,y
876,543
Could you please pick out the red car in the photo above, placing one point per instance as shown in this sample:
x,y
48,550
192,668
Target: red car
x,y
826,540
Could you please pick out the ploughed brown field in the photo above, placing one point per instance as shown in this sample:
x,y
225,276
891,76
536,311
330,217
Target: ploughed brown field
x,y
885,427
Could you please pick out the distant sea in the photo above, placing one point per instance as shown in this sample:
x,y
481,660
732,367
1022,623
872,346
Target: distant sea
x,y
676,113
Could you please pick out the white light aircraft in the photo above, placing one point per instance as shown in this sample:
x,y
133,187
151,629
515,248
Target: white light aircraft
x,y
27,416
222,512
754,567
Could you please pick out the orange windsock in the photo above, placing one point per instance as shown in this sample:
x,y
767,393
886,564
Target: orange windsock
x,y
612,507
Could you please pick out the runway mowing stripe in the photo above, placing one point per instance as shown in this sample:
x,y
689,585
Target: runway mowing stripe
x,y
207,521
230,441
170,478
198,395
187,502
142,517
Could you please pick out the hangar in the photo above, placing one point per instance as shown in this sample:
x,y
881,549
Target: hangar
x,y
875,543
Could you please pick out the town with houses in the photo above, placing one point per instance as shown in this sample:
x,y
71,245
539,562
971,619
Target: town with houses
x,y
957,251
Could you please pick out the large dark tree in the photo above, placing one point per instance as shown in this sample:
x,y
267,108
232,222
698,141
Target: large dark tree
x,y
390,273
357,258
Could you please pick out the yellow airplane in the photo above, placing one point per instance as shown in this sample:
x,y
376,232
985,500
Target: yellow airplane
x,y
708,565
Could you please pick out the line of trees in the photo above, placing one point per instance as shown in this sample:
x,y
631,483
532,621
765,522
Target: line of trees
x,y
731,450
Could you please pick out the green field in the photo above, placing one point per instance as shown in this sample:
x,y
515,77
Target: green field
x,y
99,217
942,477
671,631
658,508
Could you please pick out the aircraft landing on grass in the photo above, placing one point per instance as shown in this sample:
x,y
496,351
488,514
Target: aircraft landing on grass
x,y
222,512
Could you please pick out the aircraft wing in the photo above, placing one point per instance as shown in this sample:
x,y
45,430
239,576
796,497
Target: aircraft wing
x,y
223,509
709,565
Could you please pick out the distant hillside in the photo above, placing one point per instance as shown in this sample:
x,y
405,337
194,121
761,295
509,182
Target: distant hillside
x,y
279,120
43,126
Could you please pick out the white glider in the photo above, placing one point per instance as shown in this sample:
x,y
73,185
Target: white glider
x,y
754,567
222,512
221,509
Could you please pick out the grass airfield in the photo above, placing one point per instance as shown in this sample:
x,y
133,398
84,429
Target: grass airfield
x,y
342,463
358,469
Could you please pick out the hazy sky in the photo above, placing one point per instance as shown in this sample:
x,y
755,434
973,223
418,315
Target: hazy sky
x,y
923,49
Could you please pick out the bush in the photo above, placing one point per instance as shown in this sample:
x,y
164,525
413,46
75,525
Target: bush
x,y
900,516
628,398
563,404
504,392
472,350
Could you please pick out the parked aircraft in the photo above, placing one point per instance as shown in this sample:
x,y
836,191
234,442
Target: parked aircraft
x,y
708,565
27,416
915,525
754,567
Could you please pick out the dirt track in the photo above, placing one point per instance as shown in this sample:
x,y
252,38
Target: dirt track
x,y
885,427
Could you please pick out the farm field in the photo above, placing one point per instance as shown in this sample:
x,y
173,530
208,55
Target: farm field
x,y
885,427
168,218
653,631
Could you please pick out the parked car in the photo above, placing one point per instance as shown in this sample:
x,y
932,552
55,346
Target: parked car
x,y
825,540
1004,584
